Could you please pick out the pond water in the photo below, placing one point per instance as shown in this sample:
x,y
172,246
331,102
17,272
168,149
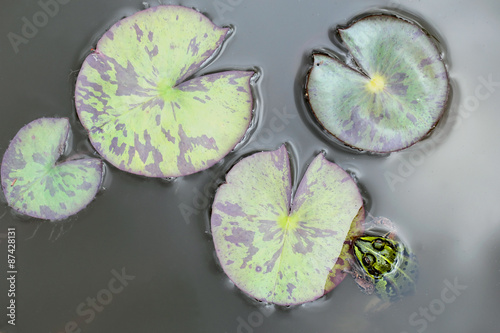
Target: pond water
x,y
140,257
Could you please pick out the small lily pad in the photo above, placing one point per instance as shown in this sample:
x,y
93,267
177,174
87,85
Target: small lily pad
x,y
276,250
143,110
395,97
35,183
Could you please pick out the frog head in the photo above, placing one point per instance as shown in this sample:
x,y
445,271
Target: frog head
x,y
376,255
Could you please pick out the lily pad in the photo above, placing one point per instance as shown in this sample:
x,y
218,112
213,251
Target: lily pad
x,y
395,97
36,183
143,110
276,250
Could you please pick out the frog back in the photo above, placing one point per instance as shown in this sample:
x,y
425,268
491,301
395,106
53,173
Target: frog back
x,y
401,281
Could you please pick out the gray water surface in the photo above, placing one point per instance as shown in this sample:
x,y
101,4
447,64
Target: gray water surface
x,y
445,200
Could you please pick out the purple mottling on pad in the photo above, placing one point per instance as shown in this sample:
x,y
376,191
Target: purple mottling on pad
x,y
243,237
153,53
167,134
67,174
411,118
66,191
138,32
417,33
359,125
289,288
14,158
195,85
237,75
159,102
269,229
346,179
216,220
188,144
172,107
84,186
279,158
114,147
304,244
110,35
194,67
38,158
399,89
199,99
270,263
49,186
193,47
389,144
98,62
425,62
230,209
442,75
47,213
144,150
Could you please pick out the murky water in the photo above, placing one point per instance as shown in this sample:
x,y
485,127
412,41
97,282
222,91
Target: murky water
x,y
443,192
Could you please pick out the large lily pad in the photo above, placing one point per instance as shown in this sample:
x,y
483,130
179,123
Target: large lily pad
x,y
35,183
143,111
396,97
277,250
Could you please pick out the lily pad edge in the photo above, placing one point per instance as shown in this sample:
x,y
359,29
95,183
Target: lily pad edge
x,y
347,54
337,273
68,155
252,86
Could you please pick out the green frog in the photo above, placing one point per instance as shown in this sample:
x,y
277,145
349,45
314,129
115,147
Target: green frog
x,y
383,265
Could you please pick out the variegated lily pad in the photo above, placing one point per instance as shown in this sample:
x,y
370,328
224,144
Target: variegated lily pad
x,y
277,250
143,110
36,183
396,96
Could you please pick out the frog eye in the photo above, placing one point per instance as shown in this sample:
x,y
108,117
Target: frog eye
x,y
378,244
368,259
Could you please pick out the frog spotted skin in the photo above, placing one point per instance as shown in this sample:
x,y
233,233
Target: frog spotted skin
x,y
384,266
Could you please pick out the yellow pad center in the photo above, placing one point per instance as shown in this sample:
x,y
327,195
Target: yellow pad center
x,y
376,84
288,223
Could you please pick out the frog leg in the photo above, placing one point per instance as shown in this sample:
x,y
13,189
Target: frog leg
x,y
365,284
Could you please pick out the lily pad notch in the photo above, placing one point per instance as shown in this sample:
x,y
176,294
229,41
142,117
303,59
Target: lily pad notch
x,y
36,183
279,250
143,109
394,95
